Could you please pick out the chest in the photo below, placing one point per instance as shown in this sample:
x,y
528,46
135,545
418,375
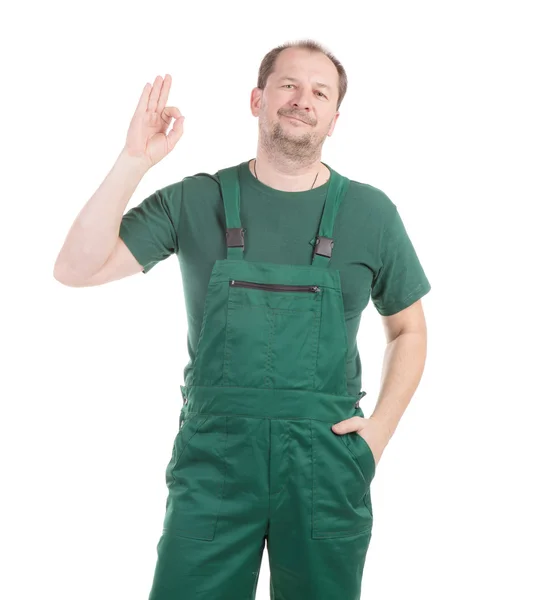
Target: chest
x,y
282,233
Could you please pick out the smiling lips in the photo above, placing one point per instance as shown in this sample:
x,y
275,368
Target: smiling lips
x,y
297,119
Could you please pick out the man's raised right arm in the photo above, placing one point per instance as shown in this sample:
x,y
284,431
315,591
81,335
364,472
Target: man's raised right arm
x,y
93,252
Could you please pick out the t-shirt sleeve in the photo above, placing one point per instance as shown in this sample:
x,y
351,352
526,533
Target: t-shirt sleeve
x,y
401,279
150,229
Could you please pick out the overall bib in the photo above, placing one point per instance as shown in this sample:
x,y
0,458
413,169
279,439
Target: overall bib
x,y
255,458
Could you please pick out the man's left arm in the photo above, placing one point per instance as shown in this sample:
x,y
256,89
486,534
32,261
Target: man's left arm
x,y
397,287
403,366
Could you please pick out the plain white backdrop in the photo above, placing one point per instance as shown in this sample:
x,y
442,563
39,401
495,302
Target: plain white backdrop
x,y
445,113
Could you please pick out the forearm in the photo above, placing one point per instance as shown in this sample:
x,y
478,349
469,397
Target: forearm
x,y
403,366
94,232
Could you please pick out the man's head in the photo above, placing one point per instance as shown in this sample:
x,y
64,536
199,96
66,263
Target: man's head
x,y
305,81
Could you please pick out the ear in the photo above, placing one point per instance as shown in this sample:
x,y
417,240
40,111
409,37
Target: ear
x,y
334,121
255,101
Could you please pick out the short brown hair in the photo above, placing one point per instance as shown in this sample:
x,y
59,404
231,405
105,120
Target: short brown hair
x,y
268,64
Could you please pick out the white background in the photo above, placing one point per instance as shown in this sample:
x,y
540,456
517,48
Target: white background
x,y
444,113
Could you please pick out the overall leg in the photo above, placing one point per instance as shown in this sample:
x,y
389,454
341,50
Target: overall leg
x,y
320,520
216,518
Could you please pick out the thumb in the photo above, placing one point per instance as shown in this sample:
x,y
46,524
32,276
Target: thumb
x,y
345,426
176,132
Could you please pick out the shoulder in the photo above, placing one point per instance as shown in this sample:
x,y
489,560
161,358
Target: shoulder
x,y
199,182
368,205
370,196
199,189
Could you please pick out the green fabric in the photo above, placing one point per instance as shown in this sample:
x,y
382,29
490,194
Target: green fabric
x,y
255,457
373,251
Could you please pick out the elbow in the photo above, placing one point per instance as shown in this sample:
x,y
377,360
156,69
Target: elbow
x,y
61,276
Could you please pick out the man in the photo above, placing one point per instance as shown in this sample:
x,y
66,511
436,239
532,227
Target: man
x,y
279,256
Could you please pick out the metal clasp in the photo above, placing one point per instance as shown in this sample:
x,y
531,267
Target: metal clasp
x,y
360,395
183,390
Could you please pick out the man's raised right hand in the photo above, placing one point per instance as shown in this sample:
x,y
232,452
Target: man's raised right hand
x,y
147,137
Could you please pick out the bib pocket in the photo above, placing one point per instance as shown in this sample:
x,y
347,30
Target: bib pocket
x,y
339,492
196,477
272,334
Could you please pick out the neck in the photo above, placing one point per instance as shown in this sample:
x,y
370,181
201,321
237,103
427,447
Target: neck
x,y
285,175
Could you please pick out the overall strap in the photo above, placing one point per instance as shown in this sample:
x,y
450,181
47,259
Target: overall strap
x,y
324,242
229,185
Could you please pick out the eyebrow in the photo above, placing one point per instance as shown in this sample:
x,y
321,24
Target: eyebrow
x,y
318,84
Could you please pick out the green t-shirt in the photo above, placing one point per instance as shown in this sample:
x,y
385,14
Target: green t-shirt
x,y
372,251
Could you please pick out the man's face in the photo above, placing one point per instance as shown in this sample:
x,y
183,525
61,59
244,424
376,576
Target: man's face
x,y
293,90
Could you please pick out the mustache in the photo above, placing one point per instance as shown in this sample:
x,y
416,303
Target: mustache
x,y
297,116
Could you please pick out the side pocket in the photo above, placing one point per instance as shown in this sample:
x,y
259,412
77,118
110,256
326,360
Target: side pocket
x,y
339,506
196,476
362,453
187,428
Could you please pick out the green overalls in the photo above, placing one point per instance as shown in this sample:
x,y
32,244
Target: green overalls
x,y
255,457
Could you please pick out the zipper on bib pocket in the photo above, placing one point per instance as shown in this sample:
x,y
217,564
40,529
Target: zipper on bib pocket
x,y
274,287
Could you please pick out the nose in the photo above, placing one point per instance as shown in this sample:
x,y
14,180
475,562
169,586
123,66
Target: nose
x,y
302,103
302,99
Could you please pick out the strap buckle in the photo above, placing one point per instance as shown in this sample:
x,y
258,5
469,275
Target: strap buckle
x,y
323,246
235,237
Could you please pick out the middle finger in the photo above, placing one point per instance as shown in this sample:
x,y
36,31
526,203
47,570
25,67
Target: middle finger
x,y
164,96
154,95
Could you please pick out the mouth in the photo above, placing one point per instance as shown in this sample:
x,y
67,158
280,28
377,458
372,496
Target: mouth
x,y
296,119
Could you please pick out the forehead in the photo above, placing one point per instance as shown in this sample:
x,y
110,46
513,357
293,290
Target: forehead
x,y
298,63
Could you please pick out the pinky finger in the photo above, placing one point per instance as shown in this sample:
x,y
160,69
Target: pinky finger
x,y
143,101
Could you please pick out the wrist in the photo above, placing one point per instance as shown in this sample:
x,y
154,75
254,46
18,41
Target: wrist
x,y
132,162
384,425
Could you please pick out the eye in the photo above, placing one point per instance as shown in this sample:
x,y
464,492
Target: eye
x,y
287,84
